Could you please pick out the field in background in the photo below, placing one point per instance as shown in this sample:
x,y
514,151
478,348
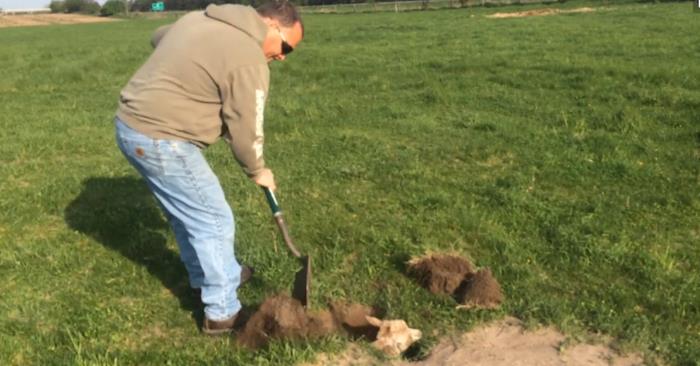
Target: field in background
x,y
25,20
560,151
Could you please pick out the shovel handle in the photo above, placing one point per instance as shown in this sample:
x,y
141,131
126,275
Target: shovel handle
x,y
272,200
279,219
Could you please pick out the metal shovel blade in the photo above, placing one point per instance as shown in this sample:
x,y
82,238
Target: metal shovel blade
x,y
302,282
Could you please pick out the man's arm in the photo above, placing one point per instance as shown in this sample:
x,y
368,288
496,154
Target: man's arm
x,y
159,34
243,98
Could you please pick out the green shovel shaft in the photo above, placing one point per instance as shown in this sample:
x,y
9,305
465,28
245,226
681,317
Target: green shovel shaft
x,y
279,220
272,201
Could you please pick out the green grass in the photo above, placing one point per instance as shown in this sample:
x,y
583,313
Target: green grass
x,y
560,151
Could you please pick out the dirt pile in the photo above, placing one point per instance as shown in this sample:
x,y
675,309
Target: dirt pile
x,y
440,273
480,290
281,317
453,275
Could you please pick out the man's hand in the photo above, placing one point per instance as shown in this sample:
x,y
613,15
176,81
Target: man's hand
x,y
265,178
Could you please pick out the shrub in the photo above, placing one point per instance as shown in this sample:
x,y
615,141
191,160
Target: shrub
x,y
81,6
112,7
73,6
141,5
57,6
91,7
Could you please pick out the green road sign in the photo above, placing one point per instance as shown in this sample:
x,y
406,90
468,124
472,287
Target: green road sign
x,y
158,6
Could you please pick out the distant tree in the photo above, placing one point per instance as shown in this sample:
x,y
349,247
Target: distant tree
x,y
90,7
73,6
78,6
113,7
141,5
58,6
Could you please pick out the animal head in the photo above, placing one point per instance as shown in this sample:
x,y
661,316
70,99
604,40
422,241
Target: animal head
x,y
394,336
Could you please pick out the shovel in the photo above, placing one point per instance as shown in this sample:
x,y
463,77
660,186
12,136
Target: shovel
x,y
302,279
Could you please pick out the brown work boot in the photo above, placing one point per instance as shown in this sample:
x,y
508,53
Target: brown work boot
x,y
246,275
218,327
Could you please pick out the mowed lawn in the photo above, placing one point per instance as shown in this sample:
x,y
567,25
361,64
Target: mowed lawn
x,y
561,151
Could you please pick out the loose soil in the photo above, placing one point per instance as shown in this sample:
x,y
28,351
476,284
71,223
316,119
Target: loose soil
x,y
539,12
440,273
282,317
453,275
502,343
26,20
480,290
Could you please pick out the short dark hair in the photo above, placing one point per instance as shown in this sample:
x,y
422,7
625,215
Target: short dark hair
x,y
281,10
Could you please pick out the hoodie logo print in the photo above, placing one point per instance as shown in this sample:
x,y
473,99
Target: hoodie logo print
x,y
259,117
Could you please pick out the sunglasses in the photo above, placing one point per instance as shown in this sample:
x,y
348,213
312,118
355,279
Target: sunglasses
x,y
286,47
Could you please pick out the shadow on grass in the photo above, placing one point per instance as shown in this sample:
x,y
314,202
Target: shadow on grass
x,y
122,215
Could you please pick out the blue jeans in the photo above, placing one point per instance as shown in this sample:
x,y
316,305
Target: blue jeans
x,y
192,199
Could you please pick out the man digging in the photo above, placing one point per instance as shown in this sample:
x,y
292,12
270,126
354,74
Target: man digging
x,y
207,78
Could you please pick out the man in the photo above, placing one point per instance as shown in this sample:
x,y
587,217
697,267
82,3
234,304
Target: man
x,y
207,77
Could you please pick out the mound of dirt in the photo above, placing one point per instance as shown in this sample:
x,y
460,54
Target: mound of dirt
x,y
453,275
440,273
480,290
278,317
352,318
539,12
282,317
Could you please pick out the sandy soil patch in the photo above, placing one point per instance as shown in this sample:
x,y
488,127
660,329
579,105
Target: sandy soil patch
x,y
540,12
502,343
27,20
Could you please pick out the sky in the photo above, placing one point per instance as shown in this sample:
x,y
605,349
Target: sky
x,y
28,4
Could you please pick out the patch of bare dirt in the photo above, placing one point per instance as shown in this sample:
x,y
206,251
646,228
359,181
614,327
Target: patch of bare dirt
x,y
27,20
447,274
502,343
354,355
539,12
506,343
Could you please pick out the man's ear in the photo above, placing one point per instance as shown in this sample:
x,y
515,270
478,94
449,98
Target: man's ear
x,y
272,23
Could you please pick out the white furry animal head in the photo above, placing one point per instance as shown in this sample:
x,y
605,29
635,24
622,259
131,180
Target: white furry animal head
x,y
394,336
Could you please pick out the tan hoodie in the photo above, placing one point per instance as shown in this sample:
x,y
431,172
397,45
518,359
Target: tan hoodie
x,y
207,77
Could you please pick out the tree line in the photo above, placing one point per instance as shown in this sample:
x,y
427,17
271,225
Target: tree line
x,y
113,7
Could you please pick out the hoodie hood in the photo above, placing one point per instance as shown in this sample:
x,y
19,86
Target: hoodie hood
x,y
241,17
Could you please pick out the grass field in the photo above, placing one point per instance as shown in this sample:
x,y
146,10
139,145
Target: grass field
x,y
561,151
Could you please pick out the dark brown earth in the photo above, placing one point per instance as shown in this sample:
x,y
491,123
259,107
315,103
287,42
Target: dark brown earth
x,y
440,273
453,275
480,290
278,317
352,318
282,317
